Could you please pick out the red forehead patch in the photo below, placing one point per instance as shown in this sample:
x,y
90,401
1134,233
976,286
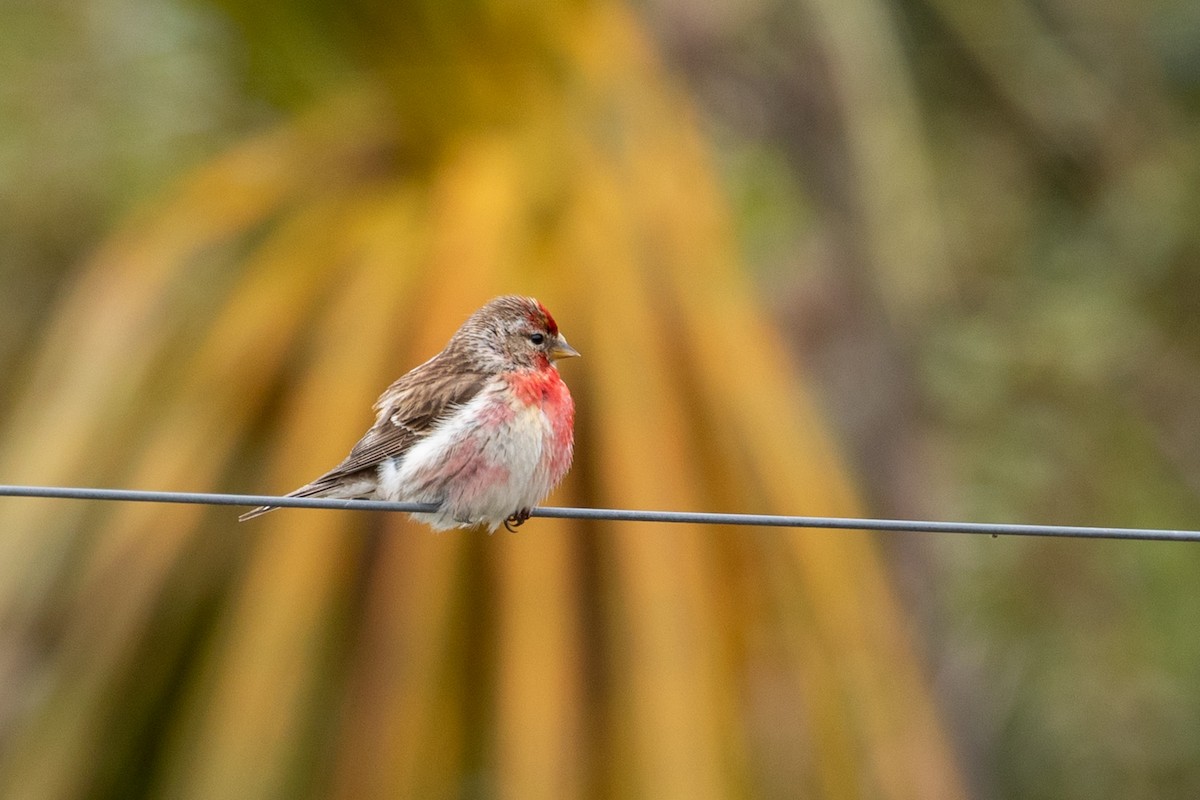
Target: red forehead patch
x,y
551,325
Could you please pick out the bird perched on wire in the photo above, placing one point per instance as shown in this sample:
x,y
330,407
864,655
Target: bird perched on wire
x,y
484,429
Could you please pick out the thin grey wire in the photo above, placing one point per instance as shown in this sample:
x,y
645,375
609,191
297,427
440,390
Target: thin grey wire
x,y
618,514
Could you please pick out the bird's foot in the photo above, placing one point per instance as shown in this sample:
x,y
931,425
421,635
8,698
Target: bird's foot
x,y
516,520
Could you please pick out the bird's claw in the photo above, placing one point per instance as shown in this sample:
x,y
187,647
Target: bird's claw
x,y
516,520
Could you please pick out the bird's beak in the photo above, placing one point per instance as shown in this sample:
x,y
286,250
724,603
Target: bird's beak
x,y
562,350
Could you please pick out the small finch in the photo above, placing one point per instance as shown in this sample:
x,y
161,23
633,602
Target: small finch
x,y
483,430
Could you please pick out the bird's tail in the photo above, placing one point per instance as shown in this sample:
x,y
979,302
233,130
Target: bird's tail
x,y
257,512
325,486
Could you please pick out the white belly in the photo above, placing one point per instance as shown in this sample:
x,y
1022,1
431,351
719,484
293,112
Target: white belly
x,y
478,471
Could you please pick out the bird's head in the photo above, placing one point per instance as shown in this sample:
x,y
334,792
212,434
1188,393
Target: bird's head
x,y
512,332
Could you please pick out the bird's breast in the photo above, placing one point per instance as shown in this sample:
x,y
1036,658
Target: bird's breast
x,y
513,442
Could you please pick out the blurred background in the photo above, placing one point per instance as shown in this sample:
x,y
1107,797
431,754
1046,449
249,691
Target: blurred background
x,y
915,258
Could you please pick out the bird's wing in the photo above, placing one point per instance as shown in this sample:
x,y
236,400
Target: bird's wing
x,y
408,410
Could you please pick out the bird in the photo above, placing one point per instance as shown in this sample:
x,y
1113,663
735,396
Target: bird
x,y
484,430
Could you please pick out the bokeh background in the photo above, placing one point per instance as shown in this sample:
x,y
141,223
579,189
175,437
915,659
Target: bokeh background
x,y
927,258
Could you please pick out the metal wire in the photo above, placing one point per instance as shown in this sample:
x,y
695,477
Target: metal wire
x,y
618,514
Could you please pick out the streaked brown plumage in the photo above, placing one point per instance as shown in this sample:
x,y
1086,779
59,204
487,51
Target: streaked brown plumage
x,y
484,428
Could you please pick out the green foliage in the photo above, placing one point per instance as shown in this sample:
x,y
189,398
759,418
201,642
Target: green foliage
x,y
977,221
1037,362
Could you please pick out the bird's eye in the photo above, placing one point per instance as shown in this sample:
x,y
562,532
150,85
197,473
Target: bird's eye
x,y
537,338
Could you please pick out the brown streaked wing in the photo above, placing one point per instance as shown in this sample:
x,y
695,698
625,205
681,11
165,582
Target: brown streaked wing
x,y
408,410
